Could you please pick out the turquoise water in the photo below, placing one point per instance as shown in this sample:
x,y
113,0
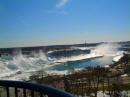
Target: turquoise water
x,y
102,61
22,66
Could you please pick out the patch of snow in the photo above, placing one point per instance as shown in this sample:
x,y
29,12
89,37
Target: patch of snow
x,y
118,56
124,75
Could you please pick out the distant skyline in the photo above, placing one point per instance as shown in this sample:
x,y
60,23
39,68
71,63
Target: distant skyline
x,y
54,22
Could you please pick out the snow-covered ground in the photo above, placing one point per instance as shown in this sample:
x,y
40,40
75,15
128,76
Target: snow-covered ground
x,y
101,94
118,56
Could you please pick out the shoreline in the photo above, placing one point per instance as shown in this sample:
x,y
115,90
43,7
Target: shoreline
x,y
111,76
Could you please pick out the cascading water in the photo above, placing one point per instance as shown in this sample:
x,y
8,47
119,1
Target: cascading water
x,y
106,49
20,63
17,66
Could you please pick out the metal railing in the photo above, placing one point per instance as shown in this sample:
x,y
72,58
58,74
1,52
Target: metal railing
x,y
40,88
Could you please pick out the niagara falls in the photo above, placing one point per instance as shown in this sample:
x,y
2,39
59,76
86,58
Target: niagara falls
x,y
64,48
17,66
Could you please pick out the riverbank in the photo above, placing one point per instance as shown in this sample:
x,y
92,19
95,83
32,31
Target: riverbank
x,y
115,78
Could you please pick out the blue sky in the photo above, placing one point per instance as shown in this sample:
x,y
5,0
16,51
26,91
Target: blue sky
x,y
50,22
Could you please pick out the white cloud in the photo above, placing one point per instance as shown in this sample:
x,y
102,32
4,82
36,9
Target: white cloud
x,y
61,3
58,9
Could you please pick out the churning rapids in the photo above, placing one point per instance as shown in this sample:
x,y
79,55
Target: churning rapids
x,y
19,66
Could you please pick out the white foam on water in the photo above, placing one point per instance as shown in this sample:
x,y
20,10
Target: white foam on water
x,y
105,49
79,57
20,65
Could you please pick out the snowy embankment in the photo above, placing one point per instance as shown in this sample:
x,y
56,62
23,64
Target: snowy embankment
x,y
118,56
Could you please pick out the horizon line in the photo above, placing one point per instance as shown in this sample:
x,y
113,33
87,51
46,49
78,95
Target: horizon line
x,y
60,44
